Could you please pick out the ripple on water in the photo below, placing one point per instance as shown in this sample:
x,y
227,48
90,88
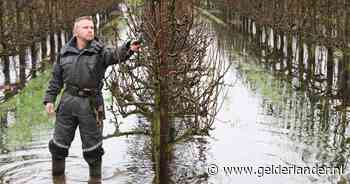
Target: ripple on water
x,y
39,171
27,171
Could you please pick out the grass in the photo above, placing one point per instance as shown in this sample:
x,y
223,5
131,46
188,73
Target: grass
x,y
264,83
27,109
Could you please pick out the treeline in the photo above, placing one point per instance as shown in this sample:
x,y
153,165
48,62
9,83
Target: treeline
x,y
307,40
30,27
326,22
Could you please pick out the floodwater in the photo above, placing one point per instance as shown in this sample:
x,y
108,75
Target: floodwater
x,y
266,130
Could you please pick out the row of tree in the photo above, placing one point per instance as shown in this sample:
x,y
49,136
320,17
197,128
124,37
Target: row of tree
x,y
323,21
307,53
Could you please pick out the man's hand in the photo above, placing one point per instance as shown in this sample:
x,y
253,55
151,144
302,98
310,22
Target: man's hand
x,y
50,108
135,46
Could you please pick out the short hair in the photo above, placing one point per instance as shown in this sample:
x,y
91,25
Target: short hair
x,y
77,20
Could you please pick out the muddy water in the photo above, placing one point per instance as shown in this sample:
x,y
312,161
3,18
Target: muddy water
x,y
31,163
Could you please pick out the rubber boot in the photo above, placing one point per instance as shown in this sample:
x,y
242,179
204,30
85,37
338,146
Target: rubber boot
x,y
95,170
58,167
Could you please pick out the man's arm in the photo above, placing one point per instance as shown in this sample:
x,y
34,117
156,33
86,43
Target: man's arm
x,y
55,84
118,55
121,54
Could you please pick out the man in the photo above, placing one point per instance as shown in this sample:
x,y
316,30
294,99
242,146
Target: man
x,y
80,69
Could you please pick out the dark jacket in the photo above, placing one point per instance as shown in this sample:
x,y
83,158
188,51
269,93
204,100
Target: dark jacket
x,y
83,68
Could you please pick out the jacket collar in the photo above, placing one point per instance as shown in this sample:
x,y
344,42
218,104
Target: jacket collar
x,y
95,46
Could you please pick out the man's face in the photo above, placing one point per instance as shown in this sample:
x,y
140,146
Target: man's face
x,y
85,30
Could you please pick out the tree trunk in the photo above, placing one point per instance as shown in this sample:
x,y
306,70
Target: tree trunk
x,y
59,39
275,49
22,50
329,70
163,105
6,71
289,54
51,31
301,59
43,45
22,67
5,58
311,61
33,50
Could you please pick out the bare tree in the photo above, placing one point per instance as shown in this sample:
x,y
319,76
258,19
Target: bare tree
x,y
172,71
174,82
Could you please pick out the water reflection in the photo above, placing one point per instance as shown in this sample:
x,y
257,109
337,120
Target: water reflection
x,y
184,163
303,103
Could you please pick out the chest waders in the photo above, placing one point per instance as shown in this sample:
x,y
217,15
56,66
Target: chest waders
x,y
80,74
78,107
